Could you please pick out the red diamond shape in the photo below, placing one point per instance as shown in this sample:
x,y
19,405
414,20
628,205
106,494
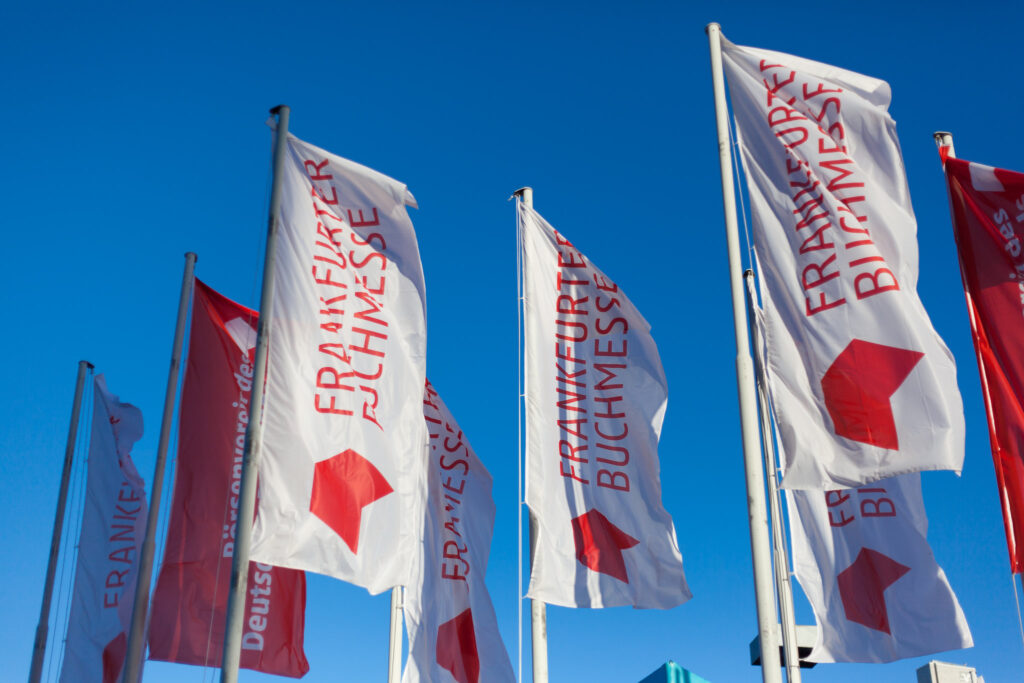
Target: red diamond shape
x,y
113,658
342,486
456,648
862,588
599,544
857,388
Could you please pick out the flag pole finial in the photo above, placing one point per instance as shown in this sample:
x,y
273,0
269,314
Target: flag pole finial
x,y
944,141
523,192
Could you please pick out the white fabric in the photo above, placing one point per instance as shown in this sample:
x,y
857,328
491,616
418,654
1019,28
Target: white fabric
x,y
829,531
348,335
448,577
835,234
983,178
113,526
595,401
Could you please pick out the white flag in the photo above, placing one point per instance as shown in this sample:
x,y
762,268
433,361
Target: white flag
x,y
342,475
453,632
863,386
113,525
863,560
595,400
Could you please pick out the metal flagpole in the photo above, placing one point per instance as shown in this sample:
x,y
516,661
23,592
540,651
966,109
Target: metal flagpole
x,y
395,639
39,648
253,434
756,509
780,556
538,610
137,633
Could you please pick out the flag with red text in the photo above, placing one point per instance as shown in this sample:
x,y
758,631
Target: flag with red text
x,y
453,631
113,526
863,386
595,401
190,601
988,215
342,475
863,560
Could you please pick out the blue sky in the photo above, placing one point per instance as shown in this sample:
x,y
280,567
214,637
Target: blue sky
x,y
135,132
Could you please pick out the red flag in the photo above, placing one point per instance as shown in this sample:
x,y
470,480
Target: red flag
x,y
988,215
190,600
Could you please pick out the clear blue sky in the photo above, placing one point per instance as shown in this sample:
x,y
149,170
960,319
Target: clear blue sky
x,y
134,132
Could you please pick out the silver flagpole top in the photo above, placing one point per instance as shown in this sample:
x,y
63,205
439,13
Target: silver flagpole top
x,y
944,139
522,192
713,26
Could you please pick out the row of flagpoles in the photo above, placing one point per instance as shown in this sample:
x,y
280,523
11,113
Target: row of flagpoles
x,y
364,474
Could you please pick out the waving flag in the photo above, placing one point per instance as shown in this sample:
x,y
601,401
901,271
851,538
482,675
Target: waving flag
x,y
595,401
113,525
453,632
988,214
863,560
863,386
190,600
342,476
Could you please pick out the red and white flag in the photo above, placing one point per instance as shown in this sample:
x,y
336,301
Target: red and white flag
x,y
342,474
863,560
863,386
988,221
595,401
453,632
190,601
113,525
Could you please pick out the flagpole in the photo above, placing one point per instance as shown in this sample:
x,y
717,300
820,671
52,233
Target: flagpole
x,y
538,610
756,509
944,139
780,555
395,637
253,434
137,633
39,647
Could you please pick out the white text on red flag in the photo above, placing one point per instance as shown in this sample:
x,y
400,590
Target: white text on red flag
x,y
190,600
988,214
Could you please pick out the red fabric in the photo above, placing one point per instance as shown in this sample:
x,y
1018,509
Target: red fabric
x,y
190,601
342,486
456,648
989,228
